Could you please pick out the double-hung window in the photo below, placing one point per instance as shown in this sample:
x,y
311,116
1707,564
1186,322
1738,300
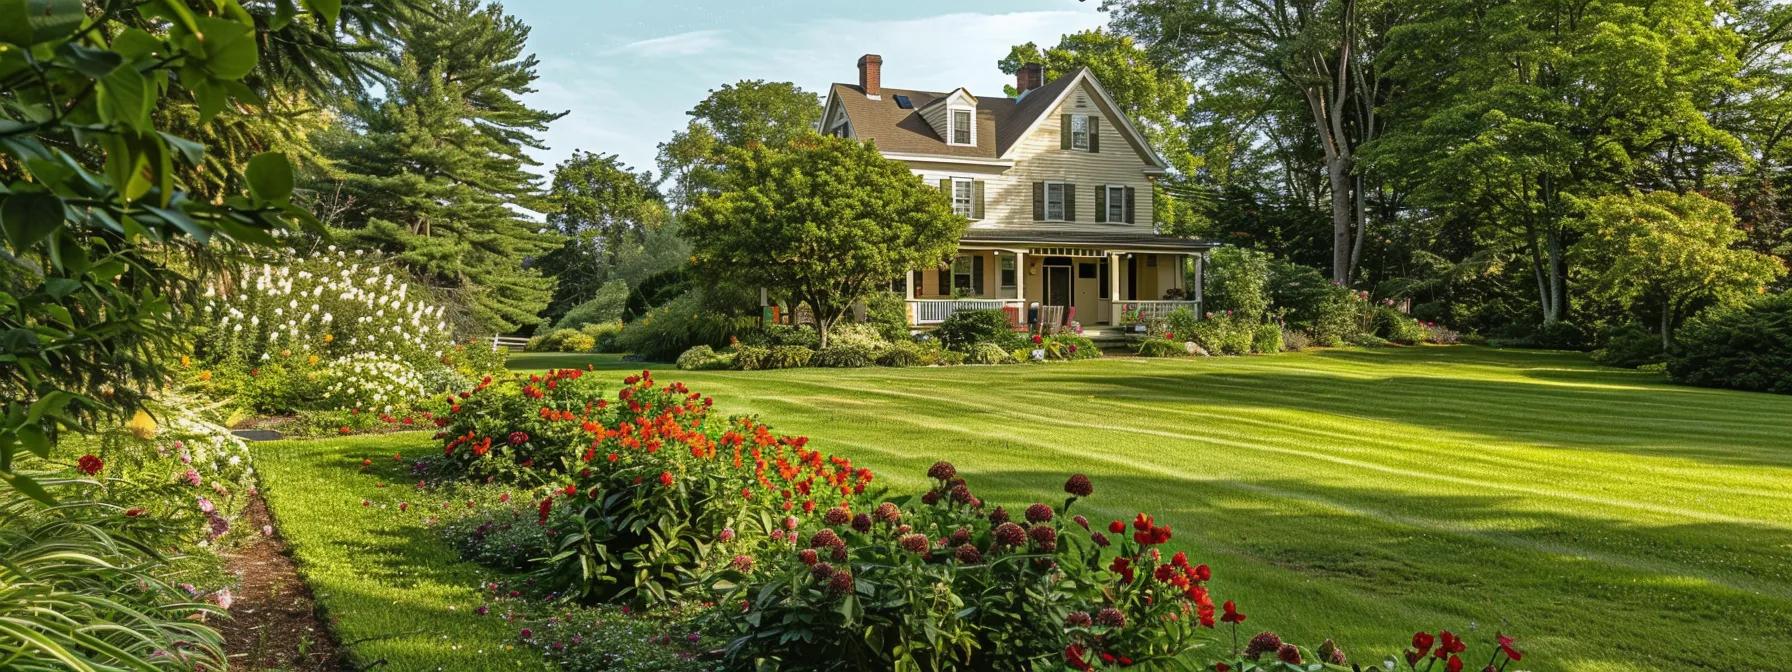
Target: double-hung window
x,y
961,127
964,197
1079,131
1116,203
1054,200
1008,271
962,278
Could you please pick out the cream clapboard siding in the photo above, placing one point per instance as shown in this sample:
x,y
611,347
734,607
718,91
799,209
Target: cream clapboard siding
x,y
1008,192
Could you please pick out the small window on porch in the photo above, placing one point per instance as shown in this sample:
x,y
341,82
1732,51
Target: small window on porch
x,y
1008,271
967,275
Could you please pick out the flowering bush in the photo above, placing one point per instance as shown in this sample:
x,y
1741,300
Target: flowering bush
x,y
1157,346
942,581
650,494
182,482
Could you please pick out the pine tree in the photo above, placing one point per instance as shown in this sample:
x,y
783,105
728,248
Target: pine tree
x,y
432,170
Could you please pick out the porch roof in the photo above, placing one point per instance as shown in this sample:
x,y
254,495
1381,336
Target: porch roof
x,y
1090,239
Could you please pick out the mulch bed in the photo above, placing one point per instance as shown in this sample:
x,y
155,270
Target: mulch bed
x,y
274,620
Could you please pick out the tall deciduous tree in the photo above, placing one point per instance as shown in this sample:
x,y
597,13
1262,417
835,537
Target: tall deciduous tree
x,y
822,220
735,115
1538,102
433,171
1670,255
606,211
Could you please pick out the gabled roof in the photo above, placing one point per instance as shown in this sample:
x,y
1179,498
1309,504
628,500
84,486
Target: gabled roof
x,y
1001,121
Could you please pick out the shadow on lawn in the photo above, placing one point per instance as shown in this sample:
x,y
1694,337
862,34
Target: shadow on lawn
x,y
1622,415
1370,565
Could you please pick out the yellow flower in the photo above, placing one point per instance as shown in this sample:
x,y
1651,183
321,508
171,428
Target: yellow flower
x,y
205,375
142,426
312,360
286,353
185,361
329,337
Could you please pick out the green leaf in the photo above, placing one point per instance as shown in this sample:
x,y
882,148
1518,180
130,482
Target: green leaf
x,y
180,220
28,487
270,177
230,51
135,43
329,10
30,217
124,97
15,23
193,152
210,97
95,63
54,19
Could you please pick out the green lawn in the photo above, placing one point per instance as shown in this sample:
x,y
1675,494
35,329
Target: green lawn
x,y
1609,520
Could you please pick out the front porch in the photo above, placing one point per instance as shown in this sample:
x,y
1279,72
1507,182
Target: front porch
x,y
1084,284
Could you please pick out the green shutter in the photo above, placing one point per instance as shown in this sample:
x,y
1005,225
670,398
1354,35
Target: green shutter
x,y
945,280
977,199
977,275
1101,203
1094,133
1069,202
1064,132
1038,201
1129,204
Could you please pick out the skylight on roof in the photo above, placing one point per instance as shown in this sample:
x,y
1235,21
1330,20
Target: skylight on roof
x,y
904,103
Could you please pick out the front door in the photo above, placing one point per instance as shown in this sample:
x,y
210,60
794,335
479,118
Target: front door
x,y
1058,286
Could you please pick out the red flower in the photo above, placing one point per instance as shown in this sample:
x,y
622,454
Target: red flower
x,y
1455,664
1073,656
1421,641
571,489
518,438
547,504
133,512
1116,527
1232,614
666,478
91,465
1510,651
1079,486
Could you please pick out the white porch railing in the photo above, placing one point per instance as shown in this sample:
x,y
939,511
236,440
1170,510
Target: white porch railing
x,y
936,311
1151,310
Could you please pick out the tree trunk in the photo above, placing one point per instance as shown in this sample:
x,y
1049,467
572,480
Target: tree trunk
x,y
1338,169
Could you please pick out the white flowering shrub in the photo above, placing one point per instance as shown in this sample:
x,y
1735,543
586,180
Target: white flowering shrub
x,y
332,331
182,478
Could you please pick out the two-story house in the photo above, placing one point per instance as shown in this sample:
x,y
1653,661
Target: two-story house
x,y
1056,182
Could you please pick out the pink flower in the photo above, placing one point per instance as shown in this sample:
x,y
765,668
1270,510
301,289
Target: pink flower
x,y
206,505
192,478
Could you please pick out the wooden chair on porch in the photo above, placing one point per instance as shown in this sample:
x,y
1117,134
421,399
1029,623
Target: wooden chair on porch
x,y
1051,319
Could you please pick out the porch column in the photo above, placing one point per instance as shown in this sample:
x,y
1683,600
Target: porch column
x,y
1200,278
1114,300
1020,281
908,288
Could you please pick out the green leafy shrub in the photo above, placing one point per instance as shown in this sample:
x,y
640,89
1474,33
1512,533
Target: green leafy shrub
x,y
844,356
1629,347
888,313
1337,317
1267,339
751,357
1238,282
603,335
651,494
900,354
863,335
606,306
667,331
773,335
1295,341
1745,348
1396,327
1181,321
1440,335
1558,335
987,353
1155,346
1071,347
944,581
789,357
965,329
705,358
505,537
1222,334
563,340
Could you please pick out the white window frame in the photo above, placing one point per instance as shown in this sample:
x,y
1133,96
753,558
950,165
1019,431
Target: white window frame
x,y
964,204
970,278
1008,267
1116,203
952,126
1084,145
1063,194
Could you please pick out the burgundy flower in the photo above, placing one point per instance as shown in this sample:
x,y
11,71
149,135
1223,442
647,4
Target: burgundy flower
x,y
1264,642
742,564
1079,520
1111,617
1044,537
942,471
837,516
968,554
546,505
1079,486
1100,539
1039,513
821,571
841,582
1421,642
1010,534
888,514
998,516
1078,619
90,465
961,494
1330,653
518,438
826,539
959,536
914,543
1288,653
861,523
808,556
931,497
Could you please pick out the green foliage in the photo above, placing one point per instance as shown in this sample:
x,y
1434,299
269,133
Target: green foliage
x,y
563,340
1182,321
781,334
900,354
1397,327
606,306
1338,318
665,332
608,214
751,357
1670,255
889,313
967,328
844,356
1747,347
745,113
1157,346
1222,334
1071,346
824,221
1238,282
987,353
435,162
1629,346
942,581
1294,341
1267,340
788,357
704,358
603,335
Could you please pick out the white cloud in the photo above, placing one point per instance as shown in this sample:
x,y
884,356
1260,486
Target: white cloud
x,y
680,44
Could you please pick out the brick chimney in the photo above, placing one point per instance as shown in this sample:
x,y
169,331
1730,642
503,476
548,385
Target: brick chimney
x,y
1030,76
871,75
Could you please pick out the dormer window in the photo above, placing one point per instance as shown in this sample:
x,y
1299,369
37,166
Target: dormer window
x,y
1079,131
961,131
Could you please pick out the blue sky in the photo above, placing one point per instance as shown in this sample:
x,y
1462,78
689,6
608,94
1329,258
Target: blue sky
x,y
628,70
